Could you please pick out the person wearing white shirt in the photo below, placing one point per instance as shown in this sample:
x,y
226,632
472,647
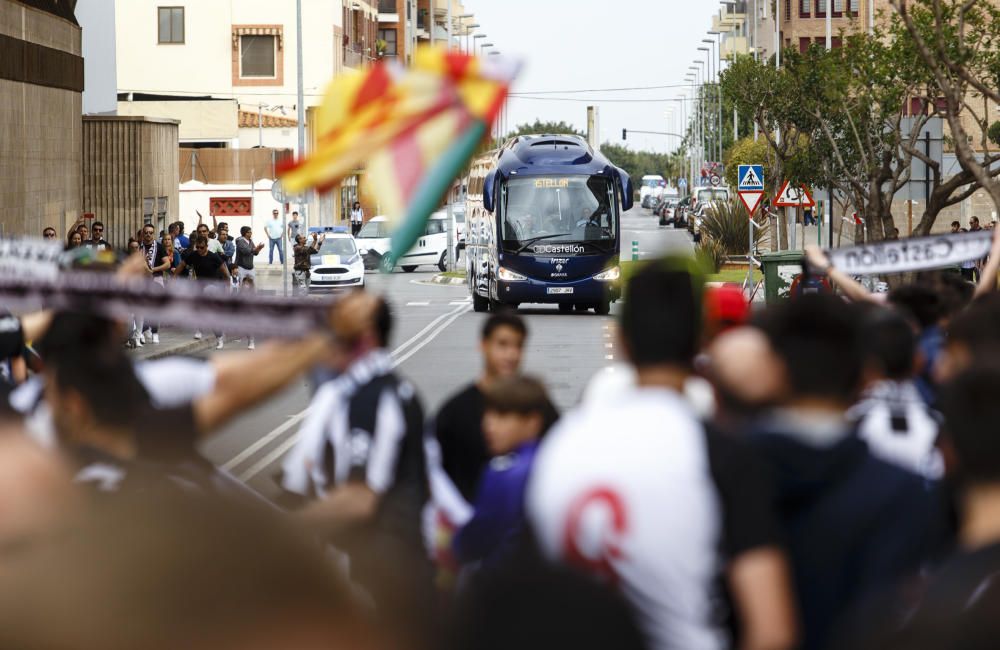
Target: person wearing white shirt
x,y
640,494
275,234
357,218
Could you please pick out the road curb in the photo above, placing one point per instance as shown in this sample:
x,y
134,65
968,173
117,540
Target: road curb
x,y
443,279
194,346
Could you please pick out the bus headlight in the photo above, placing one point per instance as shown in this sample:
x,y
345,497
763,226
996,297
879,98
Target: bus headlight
x,y
509,276
610,275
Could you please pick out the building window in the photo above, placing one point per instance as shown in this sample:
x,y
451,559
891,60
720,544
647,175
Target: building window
x,y
171,23
389,36
838,8
788,9
855,6
821,8
804,43
257,56
805,8
387,6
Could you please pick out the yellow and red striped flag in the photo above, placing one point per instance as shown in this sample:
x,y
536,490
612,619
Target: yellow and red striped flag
x,y
415,129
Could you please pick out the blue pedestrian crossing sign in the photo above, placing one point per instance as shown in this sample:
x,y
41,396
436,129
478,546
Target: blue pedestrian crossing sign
x,y
751,178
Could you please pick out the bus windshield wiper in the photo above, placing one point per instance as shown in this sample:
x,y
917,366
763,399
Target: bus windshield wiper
x,y
534,240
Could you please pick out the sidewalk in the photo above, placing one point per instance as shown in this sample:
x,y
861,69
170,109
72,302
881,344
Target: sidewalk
x,y
174,342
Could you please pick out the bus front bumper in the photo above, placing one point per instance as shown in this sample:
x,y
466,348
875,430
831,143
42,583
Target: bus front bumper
x,y
585,291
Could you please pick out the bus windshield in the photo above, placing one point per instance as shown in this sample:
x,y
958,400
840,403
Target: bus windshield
x,y
558,209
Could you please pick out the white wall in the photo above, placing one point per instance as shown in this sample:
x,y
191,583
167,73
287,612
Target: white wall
x,y
97,21
202,65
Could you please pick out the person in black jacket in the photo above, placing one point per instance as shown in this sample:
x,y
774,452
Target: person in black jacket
x,y
855,525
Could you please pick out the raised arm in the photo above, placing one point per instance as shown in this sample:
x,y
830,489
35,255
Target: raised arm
x,y
988,276
848,285
243,380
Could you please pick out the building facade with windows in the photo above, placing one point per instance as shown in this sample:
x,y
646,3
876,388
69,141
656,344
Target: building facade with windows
x,y
405,24
803,22
41,85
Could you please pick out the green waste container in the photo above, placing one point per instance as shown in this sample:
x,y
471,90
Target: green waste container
x,y
779,270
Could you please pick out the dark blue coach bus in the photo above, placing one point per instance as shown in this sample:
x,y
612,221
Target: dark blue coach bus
x,y
543,225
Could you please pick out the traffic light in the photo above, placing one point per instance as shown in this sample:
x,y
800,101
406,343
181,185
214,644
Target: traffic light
x,y
624,134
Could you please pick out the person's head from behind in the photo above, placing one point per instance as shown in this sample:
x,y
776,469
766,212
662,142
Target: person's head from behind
x,y
502,344
923,303
956,226
90,383
971,411
246,232
132,245
362,322
725,308
974,223
733,357
200,243
818,341
247,282
973,334
518,410
889,345
661,319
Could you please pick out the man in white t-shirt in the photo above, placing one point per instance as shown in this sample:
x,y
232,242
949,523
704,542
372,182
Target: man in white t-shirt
x,y
640,494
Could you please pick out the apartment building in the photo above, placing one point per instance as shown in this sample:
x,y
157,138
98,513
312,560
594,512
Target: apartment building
x,y
405,24
803,22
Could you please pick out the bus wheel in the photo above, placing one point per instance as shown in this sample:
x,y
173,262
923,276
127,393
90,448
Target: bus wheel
x,y
479,304
565,307
603,308
443,262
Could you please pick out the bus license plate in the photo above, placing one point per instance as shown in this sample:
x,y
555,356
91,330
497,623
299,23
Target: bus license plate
x,y
560,290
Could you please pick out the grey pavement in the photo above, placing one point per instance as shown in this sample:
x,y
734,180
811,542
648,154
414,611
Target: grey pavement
x,y
436,346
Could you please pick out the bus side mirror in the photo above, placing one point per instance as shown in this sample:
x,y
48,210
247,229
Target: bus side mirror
x,y
489,183
628,194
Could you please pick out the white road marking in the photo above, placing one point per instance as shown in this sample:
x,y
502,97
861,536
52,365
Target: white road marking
x,y
417,304
399,357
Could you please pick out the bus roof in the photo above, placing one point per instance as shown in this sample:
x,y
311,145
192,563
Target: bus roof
x,y
531,155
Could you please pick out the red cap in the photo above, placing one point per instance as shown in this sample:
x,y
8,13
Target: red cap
x,y
726,306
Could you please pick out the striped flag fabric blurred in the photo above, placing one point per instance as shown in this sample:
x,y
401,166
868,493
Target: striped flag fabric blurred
x,y
414,128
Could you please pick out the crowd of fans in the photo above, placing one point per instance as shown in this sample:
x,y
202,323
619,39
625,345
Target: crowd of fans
x,y
820,473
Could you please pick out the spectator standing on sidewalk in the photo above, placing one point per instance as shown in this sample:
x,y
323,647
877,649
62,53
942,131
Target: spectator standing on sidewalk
x,y
75,239
294,228
181,242
303,251
275,231
97,241
459,423
213,244
357,218
245,252
172,253
157,262
207,267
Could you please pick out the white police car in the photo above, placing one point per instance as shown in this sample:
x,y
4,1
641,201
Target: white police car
x,y
337,266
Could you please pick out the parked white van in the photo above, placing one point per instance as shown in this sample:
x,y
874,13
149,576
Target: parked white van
x,y
431,248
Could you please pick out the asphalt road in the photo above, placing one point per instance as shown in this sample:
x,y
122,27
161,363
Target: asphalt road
x,y
435,346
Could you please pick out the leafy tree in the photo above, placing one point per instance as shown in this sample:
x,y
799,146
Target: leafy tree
x,y
746,152
642,163
539,128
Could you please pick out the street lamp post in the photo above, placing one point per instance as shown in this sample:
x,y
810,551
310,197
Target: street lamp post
x,y
451,24
468,33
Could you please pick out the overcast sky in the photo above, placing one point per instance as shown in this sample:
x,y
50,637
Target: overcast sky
x,y
582,44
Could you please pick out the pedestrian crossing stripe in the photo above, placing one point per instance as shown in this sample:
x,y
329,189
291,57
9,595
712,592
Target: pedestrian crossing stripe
x,y
751,180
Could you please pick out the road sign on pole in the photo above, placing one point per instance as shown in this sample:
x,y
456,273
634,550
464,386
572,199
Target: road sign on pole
x,y
278,192
751,178
792,196
752,201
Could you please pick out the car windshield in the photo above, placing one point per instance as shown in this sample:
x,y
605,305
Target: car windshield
x,y
339,246
558,209
373,230
651,182
459,217
709,195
